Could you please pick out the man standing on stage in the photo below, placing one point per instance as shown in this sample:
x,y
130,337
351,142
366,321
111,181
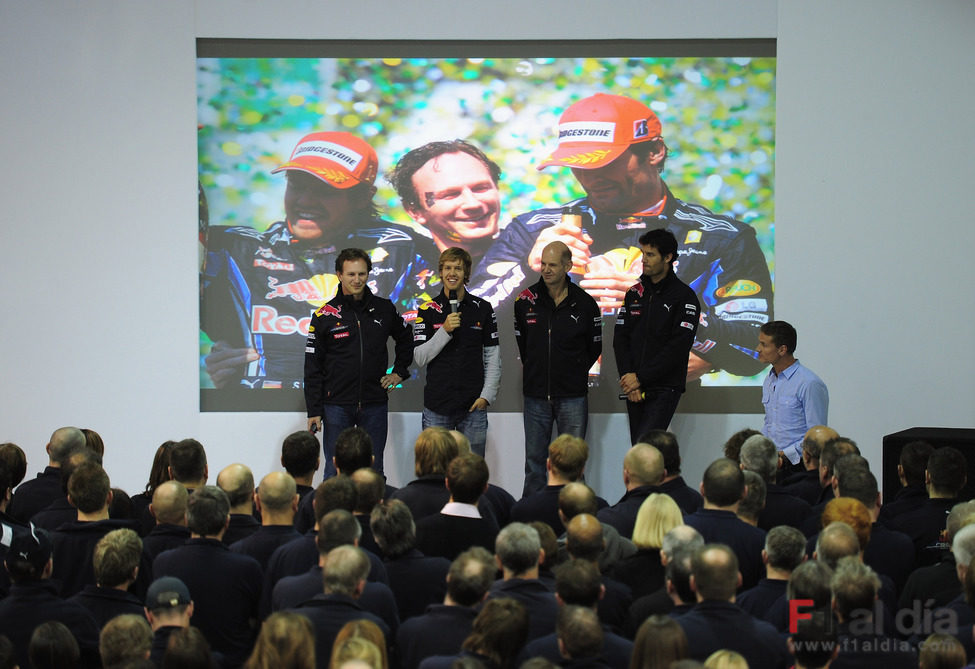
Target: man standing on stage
x,y
653,337
795,398
346,361
456,336
558,327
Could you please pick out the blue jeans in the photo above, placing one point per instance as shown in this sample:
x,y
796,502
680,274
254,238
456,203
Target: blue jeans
x,y
373,418
473,424
653,413
570,414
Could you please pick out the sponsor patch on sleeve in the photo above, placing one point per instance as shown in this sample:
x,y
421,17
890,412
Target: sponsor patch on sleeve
x,y
309,349
419,337
685,324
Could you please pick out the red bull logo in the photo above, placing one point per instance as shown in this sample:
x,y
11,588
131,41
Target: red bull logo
x,y
317,290
527,294
637,288
433,304
329,310
265,320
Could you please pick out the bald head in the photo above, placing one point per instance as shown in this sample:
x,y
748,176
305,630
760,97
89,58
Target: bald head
x,y
64,441
557,252
643,465
584,537
237,481
278,498
576,498
837,540
169,503
813,442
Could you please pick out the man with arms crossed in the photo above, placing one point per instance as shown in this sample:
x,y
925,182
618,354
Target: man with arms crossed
x,y
653,337
558,327
795,399
345,359
456,336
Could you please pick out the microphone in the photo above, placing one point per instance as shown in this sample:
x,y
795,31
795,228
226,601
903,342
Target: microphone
x,y
454,303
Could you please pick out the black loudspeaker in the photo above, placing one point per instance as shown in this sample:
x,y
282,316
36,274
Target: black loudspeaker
x,y
961,438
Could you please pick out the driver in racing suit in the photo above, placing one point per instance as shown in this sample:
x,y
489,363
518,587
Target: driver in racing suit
x,y
614,146
260,288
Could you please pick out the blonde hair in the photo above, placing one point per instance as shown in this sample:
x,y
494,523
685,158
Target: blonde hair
x,y
360,640
286,641
658,515
725,659
433,450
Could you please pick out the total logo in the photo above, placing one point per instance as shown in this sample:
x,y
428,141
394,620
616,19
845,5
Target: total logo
x,y
317,290
265,320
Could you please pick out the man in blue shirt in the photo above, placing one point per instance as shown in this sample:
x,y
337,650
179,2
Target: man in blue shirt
x,y
795,399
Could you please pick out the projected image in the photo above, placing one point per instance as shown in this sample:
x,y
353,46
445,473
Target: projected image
x,y
297,159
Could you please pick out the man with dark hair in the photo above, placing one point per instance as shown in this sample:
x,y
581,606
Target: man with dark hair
x,y
116,562
805,484
346,382
580,637
277,501
795,398
188,464
168,507
443,627
455,335
759,455
34,495
688,499
260,286
578,498
416,580
124,639
912,464
653,336
237,481
785,549
833,450
301,458
723,487
940,582
33,597
584,541
944,478
226,586
14,460
459,525
716,622
61,510
558,327
643,471
810,580
370,490
518,552
615,148
567,457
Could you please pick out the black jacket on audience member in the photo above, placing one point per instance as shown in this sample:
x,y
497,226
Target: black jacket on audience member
x,y
782,508
261,544
328,613
804,485
74,547
446,536
748,542
55,514
439,631
105,603
417,581
543,609
756,601
544,506
241,526
36,494
162,538
642,572
622,515
616,650
688,499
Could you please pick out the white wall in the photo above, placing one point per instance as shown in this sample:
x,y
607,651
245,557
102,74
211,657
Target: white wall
x,y
98,243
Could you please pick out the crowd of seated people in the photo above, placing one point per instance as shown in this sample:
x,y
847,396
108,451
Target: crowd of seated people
x,y
762,565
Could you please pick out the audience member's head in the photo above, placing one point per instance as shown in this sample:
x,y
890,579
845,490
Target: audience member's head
x,y
94,441
946,472
353,450
963,549
961,514
53,646
714,570
643,465
814,643
567,457
28,555
188,463
913,462
467,478
207,511
286,641
168,603
14,461
360,640
463,443
725,659
942,651
677,575
159,473
345,571
832,451
337,492
837,540
785,548
169,503
433,450
813,442
337,528
470,576
65,441
89,489
578,582
370,488
732,447
187,648
858,483
680,538
658,515
723,484
849,462
499,631
576,498
124,638
300,454
810,580
237,481
759,455
666,443
116,558
854,586
853,513
584,537
579,632
659,641
278,494
120,507
518,549
549,543
753,503
393,528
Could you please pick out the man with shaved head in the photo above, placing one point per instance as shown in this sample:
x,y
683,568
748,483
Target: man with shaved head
x,y
168,507
577,498
805,484
558,327
237,481
277,500
643,471
34,495
723,487
584,541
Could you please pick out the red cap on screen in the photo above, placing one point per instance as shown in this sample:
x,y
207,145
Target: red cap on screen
x,y
596,130
340,159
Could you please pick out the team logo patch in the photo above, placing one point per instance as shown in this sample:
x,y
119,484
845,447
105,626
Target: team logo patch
x,y
433,304
329,310
739,288
527,294
685,324
640,128
279,266
340,335
693,237
637,288
587,131
703,346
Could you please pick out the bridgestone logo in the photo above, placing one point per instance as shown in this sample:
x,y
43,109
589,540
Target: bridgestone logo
x,y
330,151
587,131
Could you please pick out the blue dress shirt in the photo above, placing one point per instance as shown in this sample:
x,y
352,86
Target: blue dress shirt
x,y
795,400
